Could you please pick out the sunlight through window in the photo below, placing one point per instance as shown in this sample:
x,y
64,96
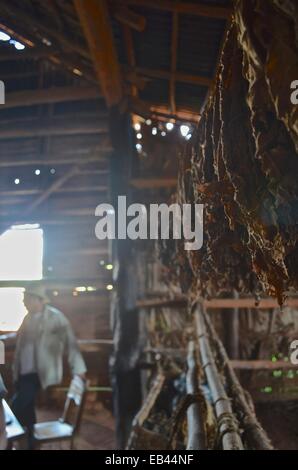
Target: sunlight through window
x,y
21,254
12,308
21,250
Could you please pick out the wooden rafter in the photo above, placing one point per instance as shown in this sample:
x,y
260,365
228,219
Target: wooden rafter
x,y
69,189
161,112
181,114
45,127
93,251
56,58
16,35
52,220
13,75
82,212
179,302
210,11
90,172
168,75
26,19
173,61
49,95
153,183
130,18
56,12
57,161
62,283
53,187
29,53
73,66
19,218
15,218
44,195
94,18
130,57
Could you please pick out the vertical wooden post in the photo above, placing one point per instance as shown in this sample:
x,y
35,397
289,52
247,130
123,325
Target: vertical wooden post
x,y
231,327
124,362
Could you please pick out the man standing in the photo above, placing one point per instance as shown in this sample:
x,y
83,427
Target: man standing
x,y
42,339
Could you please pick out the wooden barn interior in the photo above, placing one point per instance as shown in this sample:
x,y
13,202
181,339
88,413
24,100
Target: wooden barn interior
x,y
164,102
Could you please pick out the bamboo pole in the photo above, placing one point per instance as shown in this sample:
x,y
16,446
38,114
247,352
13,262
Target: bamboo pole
x,y
256,435
228,429
146,408
144,412
261,364
196,413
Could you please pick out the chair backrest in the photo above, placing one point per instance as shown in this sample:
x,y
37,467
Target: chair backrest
x,y
75,398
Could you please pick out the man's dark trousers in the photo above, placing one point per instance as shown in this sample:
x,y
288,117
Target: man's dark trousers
x,y
23,403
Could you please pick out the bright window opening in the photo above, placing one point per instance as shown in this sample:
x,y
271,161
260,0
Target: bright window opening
x,y
12,308
21,255
21,251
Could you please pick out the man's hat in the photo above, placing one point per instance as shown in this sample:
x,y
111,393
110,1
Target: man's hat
x,y
37,289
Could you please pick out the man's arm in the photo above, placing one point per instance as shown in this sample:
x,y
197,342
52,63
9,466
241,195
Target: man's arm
x,y
75,358
9,339
3,437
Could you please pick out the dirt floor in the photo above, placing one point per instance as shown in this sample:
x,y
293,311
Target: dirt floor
x,y
97,429
280,420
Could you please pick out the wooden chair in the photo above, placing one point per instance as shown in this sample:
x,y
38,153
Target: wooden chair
x,y
62,429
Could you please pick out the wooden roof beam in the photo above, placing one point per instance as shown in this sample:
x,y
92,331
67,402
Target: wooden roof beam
x,y
161,112
173,62
20,217
50,95
100,157
91,171
34,192
41,198
19,15
28,54
52,220
14,218
93,251
209,11
94,18
130,53
153,183
168,75
72,66
129,18
39,128
61,283
52,188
